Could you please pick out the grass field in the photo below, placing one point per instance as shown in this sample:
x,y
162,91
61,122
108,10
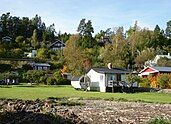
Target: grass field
x,y
27,92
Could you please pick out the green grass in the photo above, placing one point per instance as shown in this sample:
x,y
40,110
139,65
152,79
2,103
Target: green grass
x,y
27,92
159,121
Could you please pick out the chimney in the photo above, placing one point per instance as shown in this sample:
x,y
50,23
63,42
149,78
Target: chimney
x,y
109,65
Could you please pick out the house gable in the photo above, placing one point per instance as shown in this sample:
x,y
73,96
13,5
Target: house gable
x,y
57,45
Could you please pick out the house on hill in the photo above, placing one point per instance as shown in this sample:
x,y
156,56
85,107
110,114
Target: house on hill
x,y
103,79
57,45
154,71
7,39
40,66
155,60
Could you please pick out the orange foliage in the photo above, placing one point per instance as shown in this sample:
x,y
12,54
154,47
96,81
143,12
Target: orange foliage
x,y
154,83
64,70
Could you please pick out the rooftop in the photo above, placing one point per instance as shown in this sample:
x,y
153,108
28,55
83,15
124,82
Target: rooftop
x,y
105,70
163,69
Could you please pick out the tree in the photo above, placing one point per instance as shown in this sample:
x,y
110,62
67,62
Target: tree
x,y
116,53
145,55
85,30
165,62
20,41
42,54
74,56
168,29
34,40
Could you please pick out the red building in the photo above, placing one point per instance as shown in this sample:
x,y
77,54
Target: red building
x,y
154,71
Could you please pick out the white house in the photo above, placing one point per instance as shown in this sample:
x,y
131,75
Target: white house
x,y
77,82
102,79
31,54
154,61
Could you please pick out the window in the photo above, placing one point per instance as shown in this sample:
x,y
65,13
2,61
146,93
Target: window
x,y
101,77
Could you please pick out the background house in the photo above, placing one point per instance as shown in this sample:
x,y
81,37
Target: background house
x,y
7,39
155,60
57,45
30,54
40,66
154,71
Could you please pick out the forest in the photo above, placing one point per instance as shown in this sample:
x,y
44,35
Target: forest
x,y
124,49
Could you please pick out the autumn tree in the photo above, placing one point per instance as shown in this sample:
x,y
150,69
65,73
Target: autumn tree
x,y
34,40
74,56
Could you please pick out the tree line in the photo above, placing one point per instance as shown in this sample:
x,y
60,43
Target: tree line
x,y
125,49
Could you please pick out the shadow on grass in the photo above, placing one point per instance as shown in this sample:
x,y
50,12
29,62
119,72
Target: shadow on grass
x,y
41,86
5,86
26,86
24,117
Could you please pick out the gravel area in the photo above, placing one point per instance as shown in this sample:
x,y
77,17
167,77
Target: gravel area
x,y
93,112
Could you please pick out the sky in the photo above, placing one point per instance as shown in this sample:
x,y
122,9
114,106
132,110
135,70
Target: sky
x,y
66,14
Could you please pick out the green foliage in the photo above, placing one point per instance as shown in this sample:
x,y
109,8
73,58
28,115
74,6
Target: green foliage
x,y
163,80
165,62
33,76
42,54
27,67
51,81
132,78
159,121
145,55
5,67
145,82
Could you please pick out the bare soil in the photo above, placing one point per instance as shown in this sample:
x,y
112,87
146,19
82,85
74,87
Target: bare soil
x,y
93,112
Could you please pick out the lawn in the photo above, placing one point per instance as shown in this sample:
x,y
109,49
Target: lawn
x,y
27,92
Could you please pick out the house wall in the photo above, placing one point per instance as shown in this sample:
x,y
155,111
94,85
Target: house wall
x,y
97,81
76,84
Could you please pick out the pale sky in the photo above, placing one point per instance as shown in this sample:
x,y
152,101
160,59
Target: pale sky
x,y
66,14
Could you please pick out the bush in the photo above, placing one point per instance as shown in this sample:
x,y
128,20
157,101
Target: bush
x,y
51,81
33,76
163,80
43,80
63,81
27,67
5,67
145,82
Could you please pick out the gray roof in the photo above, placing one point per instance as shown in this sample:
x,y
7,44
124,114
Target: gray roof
x,y
163,69
105,70
57,41
75,78
41,64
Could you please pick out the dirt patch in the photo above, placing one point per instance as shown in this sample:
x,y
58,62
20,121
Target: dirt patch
x,y
92,112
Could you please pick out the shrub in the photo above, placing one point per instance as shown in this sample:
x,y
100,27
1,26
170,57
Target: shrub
x,y
27,67
33,76
163,80
5,67
43,80
132,78
51,81
145,82
63,81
